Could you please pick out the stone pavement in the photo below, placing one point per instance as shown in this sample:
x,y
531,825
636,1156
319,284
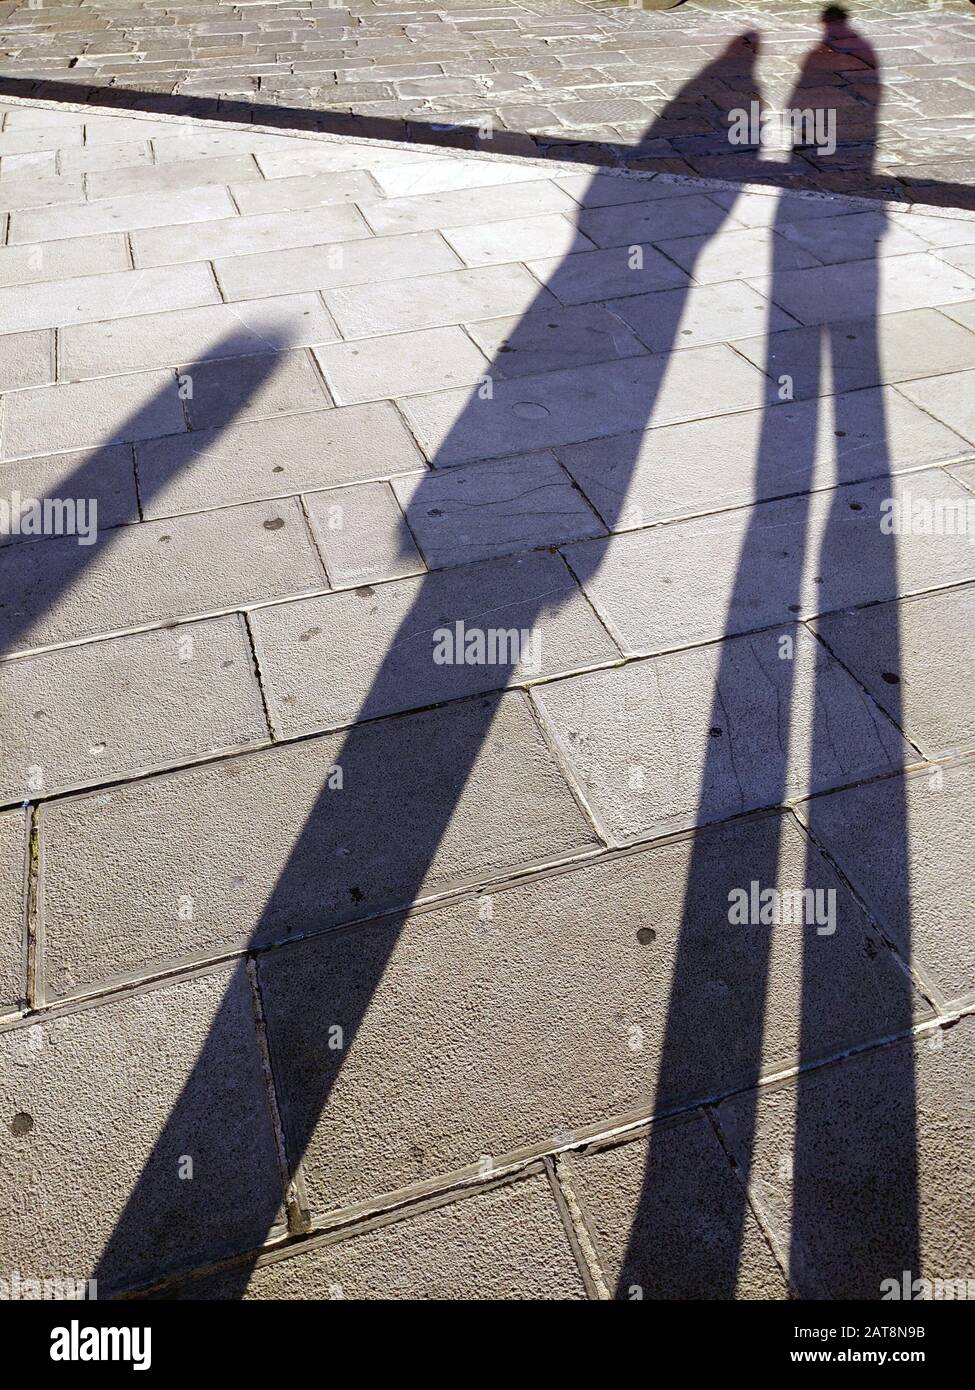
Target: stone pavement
x,y
605,82
487,666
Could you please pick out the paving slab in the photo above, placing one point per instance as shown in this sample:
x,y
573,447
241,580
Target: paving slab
x,y
158,571
143,1049
290,195
527,611
517,239
465,207
858,289
171,177
88,298
888,647
369,263
856,236
701,314
63,260
736,571
361,534
950,397
545,340
284,456
208,333
891,348
737,254
506,1243
87,714
893,1121
13,906
488,509
103,479
432,359
582,403
218,393
241,236
587,277
120,214
629,224
494,801
26,359
669,1227
700,466
917,889
693,737
433,176
76,415
508,988
429,301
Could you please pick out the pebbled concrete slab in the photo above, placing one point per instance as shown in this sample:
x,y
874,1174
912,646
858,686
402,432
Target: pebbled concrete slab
x,y
430,301
506,987
735,571
505,1243
494,800
103,477
915,883
87,298
13,909
948,398
397,647
488,509
858,1137
110,410
835,292
158,571
220,392
581,403
143,1049
700,466
699,735
63,260
667,1227
120,215
432,359
241,236
888,649
864,353
552,338
209,333
361,534
343,263
88,714
26,359
286,455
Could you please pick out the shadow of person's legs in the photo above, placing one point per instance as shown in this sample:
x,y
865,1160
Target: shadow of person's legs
x,y
403,779
854,1174
806,553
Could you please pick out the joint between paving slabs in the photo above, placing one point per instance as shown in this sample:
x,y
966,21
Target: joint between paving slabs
x,y
293,1188
273,730
778,1249
926,988
559,1173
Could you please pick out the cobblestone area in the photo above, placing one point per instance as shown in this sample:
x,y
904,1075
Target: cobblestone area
x,y
505,576
608,83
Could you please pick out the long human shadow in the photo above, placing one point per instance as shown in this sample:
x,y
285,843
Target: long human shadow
x,y
153,1238
65,561
849,1230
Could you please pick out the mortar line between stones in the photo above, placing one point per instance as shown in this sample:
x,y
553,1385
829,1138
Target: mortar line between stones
x,y
559,1173
779,1255
293,1190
